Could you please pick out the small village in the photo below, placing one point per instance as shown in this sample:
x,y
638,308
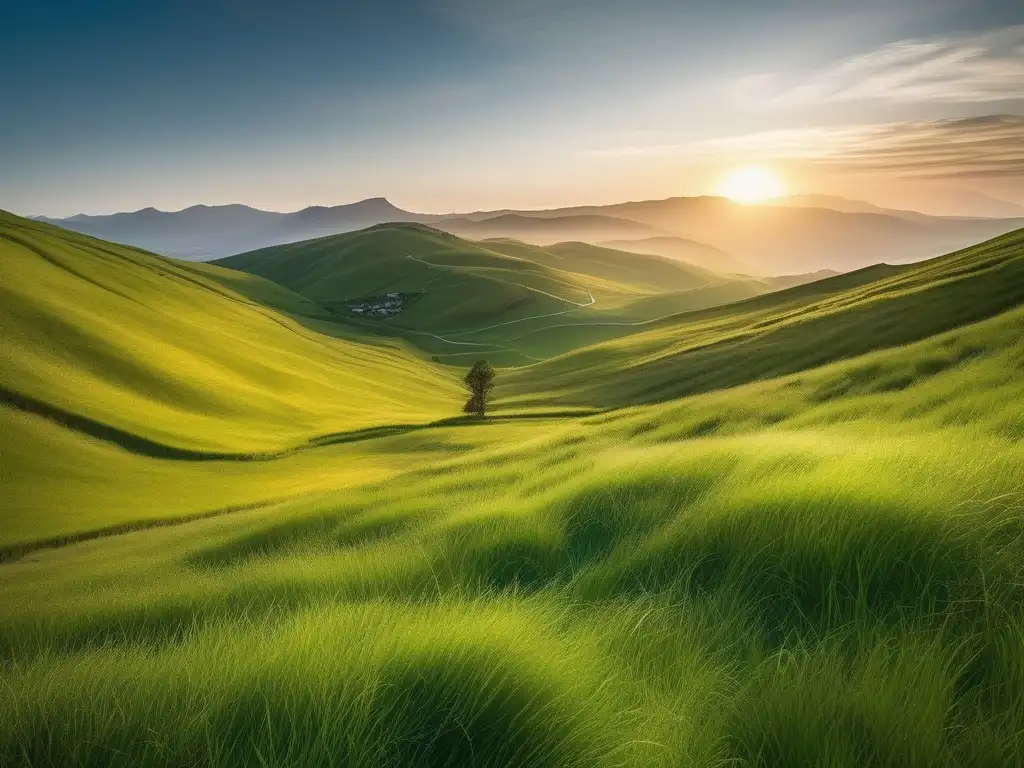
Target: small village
x,y
384,307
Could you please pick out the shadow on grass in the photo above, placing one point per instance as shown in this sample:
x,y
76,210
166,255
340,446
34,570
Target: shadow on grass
x,y
143,446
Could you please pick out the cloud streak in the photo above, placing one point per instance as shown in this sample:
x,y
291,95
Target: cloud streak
x,y
989,147
974,68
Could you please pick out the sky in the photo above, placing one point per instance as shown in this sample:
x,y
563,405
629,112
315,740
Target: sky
x,y
459,105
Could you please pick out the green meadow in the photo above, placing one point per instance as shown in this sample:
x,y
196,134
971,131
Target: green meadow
x,y
515,303
240,527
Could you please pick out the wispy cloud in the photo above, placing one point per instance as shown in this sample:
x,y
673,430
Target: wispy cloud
x,y
980,147
962,69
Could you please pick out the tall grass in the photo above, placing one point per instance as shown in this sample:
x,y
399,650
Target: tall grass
x,y
822,569
774,576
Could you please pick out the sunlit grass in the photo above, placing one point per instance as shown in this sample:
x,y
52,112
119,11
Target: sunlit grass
x,y
781,333
681,584
163,351
820,569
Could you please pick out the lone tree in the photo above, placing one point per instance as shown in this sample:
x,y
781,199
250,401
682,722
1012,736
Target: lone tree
x,y
479,381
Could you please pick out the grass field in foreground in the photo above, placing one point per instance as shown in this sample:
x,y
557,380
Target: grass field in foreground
x,y
819,570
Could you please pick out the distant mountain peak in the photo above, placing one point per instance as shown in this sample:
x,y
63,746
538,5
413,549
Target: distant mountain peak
x,y
799,234
368,203
375,204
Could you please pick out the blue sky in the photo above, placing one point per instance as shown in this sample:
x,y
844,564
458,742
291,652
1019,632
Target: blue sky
x,y
446,105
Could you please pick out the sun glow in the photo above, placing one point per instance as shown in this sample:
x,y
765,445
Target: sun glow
x,y
751,185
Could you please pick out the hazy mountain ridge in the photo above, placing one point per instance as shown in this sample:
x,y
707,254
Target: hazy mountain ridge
x,y
591,228
844,205
202,233
683,249
777,240
798,237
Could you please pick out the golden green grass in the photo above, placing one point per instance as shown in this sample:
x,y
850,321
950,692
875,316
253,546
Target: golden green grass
x,y
818,568
166,351
781,333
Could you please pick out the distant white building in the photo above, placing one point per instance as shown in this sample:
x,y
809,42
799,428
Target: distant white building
x,y
389,305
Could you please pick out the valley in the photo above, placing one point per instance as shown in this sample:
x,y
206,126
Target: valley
x,y
710,519
522,384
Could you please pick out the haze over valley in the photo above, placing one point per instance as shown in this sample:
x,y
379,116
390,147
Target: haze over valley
x,y
784,235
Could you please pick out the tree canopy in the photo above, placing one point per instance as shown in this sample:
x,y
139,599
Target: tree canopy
x,y
479,380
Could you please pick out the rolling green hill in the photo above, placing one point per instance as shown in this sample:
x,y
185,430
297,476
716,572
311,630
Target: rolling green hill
x,y
637,273
513,302
783,332
814,560
182,355
451,283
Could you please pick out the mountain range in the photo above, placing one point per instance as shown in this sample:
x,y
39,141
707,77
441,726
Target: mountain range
x,y
801,234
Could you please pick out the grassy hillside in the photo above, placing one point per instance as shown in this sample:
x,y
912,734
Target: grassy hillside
x,y
637,273
816,570
819,566
513,302
61,483
451,283
783,332
179,356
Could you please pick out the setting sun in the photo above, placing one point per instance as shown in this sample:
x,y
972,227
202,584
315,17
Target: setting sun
x,y
751,185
